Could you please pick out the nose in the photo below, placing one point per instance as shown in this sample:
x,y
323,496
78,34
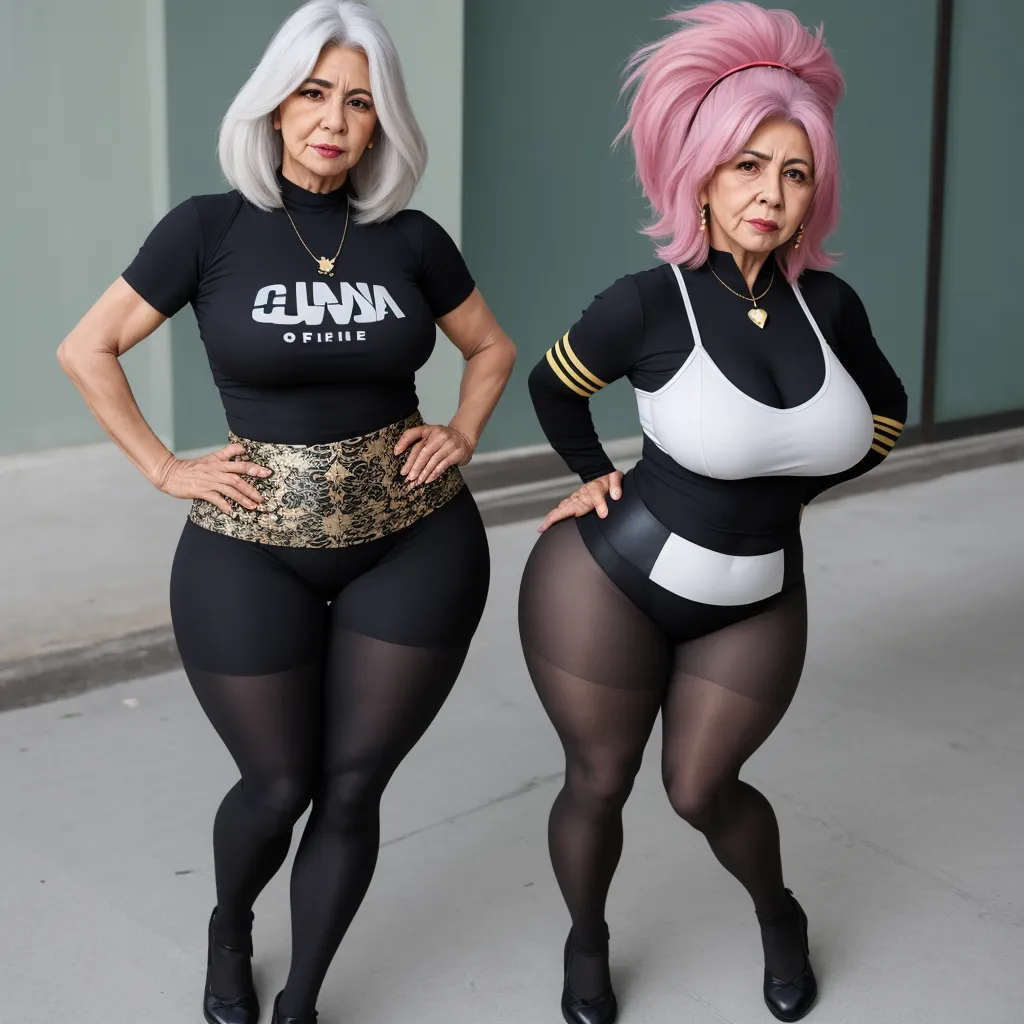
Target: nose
x,y
771,194
334,120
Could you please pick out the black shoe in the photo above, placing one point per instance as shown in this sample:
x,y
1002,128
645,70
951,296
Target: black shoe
x,y
792,1000
306,1018
602,1009
245,1009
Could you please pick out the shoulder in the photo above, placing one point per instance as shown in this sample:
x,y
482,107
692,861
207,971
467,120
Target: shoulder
x,y
823,285
414,223
832,299
197,214
423,235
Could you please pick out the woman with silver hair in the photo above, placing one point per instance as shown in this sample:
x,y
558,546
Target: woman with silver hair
x,y
678,588
334,567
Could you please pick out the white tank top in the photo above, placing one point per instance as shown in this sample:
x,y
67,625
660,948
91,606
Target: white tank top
x,y
710,427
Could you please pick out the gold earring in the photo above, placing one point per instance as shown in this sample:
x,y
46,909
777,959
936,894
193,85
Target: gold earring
x,y
799,237
703,218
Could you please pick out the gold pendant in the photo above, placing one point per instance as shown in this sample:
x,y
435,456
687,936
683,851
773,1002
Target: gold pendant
x,y
326,266
759,316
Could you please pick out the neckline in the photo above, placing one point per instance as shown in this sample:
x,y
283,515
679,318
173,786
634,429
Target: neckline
x,y
698,347
724,265
301,200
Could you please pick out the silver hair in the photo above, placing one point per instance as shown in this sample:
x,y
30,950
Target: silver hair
x,y
249,148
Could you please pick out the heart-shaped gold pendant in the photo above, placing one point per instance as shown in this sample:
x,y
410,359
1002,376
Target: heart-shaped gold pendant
x,y
759,316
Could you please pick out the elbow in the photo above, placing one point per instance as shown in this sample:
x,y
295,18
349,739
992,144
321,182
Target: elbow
x,y
66,358
509,354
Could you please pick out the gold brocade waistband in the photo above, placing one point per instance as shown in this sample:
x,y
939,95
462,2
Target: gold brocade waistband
x,y
330,495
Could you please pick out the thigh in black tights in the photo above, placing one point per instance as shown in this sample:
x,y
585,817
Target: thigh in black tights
x,y
604,663
320,669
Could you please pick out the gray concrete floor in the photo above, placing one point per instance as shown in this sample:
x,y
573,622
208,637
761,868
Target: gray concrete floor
x,y
896,777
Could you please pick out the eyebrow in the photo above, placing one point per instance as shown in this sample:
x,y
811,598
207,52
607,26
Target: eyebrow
x,y
324,84
765,156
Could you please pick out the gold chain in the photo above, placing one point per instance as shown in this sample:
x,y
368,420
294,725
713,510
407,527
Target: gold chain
x,y
326,265
758,317
747,298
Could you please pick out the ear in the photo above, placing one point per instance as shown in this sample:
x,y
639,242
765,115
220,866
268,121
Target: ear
x,y
275,119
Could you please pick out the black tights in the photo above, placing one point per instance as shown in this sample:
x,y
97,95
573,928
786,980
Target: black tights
x,y
603,670
332,738
320,669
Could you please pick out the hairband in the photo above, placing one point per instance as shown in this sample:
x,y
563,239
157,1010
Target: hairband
x,y
742,67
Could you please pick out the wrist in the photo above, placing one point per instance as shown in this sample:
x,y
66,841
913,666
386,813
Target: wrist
x,y
158,473
471,438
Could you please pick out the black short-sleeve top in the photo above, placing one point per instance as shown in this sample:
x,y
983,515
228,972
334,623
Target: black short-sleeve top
x,y
299,356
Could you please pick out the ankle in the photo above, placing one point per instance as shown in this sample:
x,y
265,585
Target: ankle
x,y
591,940
233,932
779,913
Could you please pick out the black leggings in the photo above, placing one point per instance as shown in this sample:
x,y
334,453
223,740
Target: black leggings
x,y
604,666
320,669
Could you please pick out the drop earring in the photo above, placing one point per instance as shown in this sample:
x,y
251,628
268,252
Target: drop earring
x,y
799,237
704,218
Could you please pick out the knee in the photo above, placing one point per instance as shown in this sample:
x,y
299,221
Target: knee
x,y
600,787
345,798
692,799
283,798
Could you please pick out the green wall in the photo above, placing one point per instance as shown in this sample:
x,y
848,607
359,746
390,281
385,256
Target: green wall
x,y
77,177
981,342
208,59
550,214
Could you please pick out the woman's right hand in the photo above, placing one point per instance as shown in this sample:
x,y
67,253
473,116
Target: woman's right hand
x,y
590,496
214,478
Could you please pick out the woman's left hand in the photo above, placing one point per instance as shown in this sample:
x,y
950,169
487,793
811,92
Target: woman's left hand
x,y
432,449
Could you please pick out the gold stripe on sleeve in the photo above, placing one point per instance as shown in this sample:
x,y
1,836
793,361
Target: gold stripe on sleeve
x,y
888,431
878,448
575,362
882,439
571,372
888,422
562,377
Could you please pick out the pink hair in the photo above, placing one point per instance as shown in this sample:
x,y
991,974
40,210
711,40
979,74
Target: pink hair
x,y
670,77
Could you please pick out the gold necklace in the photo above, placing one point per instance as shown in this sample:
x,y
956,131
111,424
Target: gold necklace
x,y
756,315
326,265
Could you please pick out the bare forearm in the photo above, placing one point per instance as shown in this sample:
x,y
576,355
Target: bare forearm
x,y
486,374
101,381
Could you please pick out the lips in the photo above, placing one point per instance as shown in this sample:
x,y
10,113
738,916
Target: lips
x,y
328,151
763,225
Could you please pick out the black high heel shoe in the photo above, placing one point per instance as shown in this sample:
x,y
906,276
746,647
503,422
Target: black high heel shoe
x,y
244,1009
792,1000
306,1018
602,1009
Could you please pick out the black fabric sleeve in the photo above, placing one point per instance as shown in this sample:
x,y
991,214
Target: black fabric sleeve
x,y
442,273
603,345
863,359
167,269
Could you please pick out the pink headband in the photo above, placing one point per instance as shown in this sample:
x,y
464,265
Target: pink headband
x,y
742,67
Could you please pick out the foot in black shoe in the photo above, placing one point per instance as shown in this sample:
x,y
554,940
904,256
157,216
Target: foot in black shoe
x,y
792,1000
241,1009
599,1009
306,1018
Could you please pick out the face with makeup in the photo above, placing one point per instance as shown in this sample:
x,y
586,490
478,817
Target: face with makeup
x,y
328,123
759,199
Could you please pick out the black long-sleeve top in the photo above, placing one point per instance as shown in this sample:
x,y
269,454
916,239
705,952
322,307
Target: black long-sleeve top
x,y
639,328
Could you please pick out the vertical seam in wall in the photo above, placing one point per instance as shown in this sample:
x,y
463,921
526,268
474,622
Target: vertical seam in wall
x,y
161,361
461,134
936,213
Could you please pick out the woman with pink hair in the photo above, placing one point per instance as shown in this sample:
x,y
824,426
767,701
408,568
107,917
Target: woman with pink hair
x,y
678,587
